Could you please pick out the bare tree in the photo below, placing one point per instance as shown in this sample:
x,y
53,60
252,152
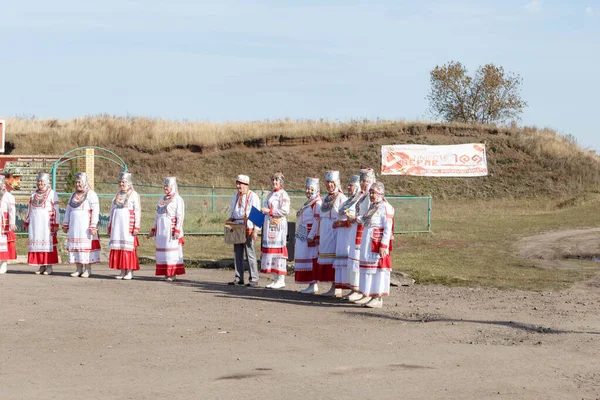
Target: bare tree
x,y
490,96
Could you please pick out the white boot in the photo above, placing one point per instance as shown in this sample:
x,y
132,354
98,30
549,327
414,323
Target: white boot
x,y
87,271
311,289
270,285
279,282
333,292
121,275
3,267
48,270
128,275
171,278
79,271
363,300
376,302
41,270
354,296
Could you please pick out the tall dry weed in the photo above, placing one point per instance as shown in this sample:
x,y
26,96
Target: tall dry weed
x,y
36,136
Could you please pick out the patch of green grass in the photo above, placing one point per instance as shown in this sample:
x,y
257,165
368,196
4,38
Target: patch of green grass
x,y
474,243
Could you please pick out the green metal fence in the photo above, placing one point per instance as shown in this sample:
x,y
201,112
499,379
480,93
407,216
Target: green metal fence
x,y
206,208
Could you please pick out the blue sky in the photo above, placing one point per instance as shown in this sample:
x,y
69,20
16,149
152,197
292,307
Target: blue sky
x,y
235,61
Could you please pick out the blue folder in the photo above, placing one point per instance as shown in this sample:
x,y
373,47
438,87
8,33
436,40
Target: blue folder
x,y
256,217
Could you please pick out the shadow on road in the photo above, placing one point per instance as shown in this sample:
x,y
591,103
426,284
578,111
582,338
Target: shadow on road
x,y
511,324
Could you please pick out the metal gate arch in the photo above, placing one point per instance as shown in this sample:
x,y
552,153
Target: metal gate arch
x,y
63,159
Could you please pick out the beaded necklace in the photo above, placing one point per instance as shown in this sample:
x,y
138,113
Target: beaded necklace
x,y
328,201
372,210
40,197
121,199
77,198
161,207
308,203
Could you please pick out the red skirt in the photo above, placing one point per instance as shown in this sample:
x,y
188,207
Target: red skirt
x,y
11,253
306,276
169,270
48,258
123,259
324,273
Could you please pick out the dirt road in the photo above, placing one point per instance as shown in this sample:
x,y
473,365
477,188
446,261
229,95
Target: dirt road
x,y
100,338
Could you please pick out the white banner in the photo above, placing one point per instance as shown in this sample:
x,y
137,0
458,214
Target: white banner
x,y
421,160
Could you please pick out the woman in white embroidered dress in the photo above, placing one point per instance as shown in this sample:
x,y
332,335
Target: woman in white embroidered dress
x,y
307,237
346,234
81,223
125,216
367,178
168,231
42,224
276,207
327,234
8,250
375,260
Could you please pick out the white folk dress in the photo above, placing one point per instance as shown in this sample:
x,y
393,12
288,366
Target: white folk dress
x,y
346,242
125,217
273,249
82,213
378,231
42,216
328,237
8,250
307,254
353,270
168,222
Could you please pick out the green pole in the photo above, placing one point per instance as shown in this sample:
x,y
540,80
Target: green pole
x,y
429,214
54,176
212,199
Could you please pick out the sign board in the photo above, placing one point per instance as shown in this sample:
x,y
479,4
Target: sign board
x,y
21,172
2,132
459,160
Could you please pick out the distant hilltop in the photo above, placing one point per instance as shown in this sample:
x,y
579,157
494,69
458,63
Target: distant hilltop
x,y
522,162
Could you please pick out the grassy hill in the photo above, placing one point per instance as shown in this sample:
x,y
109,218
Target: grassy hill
x,y
522,162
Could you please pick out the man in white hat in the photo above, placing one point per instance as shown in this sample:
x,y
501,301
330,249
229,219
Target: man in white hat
x,y
241,204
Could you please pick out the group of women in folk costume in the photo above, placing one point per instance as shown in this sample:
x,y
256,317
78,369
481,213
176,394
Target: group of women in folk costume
x,y
81,225
354,239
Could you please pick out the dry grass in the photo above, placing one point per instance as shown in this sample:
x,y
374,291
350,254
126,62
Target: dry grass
x,y
33,136
37,136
